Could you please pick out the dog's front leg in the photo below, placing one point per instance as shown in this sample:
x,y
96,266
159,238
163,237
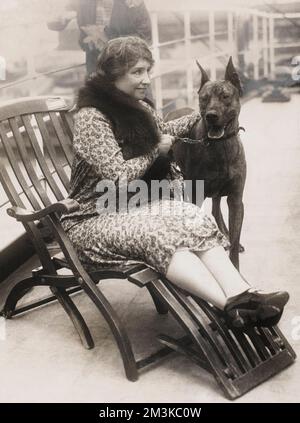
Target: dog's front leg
x,y
236,215
217,214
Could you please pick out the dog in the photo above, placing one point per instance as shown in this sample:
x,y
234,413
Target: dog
x,y
218,156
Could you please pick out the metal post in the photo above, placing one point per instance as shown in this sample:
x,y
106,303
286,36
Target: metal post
x,y
230,33
188,54
265,46
213,73
272,47
155,49
255,46
2,68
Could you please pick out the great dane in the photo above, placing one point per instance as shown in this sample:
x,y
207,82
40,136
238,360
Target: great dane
x,y
218,156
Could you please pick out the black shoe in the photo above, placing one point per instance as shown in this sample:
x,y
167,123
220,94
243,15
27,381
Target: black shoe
x,y
252,299
263,316
255,308
271,321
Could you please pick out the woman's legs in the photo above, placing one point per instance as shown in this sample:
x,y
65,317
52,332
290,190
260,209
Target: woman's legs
x,y
189,273
219,265
208,274
211,276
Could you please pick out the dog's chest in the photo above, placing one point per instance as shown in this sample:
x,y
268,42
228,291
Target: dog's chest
x,y
218,165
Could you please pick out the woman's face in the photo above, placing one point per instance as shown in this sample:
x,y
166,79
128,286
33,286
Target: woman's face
x,y
136,80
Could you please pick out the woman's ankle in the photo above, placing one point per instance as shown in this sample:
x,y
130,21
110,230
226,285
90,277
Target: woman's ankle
x,y
235,296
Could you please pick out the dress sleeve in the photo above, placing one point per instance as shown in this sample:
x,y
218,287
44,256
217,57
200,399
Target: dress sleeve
x,y
95,142
177,127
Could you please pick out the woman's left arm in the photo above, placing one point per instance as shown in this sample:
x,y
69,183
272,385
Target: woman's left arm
x,y
180,127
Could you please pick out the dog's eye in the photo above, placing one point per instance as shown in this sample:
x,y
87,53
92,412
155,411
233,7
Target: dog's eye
x,y
226,96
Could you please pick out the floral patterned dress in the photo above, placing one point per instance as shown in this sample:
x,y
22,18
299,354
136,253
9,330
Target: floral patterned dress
x,y
148,234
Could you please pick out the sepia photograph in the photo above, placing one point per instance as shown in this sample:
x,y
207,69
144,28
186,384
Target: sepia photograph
x,y
149,204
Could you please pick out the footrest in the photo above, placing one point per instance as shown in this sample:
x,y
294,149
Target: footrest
x,y
239,360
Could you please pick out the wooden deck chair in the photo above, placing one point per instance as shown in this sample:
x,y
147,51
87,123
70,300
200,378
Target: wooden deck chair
x,y
35,136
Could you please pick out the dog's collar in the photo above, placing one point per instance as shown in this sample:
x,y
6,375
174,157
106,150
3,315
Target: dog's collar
x,y
208,141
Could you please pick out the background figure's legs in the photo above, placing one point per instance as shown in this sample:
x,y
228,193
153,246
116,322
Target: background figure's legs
x,y
189,273
219,265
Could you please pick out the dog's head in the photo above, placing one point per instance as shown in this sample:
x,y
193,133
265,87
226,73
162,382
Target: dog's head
x,y
219,102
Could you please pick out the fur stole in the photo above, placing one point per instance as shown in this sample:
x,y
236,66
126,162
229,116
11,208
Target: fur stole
x,y
133,125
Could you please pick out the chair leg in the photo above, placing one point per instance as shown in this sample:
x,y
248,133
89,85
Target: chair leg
x,y
18,292
26,285
75,316
115,324
87,284
160,305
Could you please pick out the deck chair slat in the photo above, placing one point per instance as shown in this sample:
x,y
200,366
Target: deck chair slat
x,y
67,118
64,141
208,334
10,191
252,356
50,149
187,320
28,105
40,158
17,170
258,344
226,336
279,338
268,340
27,163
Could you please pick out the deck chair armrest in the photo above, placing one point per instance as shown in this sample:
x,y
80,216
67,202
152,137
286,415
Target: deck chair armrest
x,y
23,215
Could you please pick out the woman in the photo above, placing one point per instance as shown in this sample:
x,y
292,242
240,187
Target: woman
x,y
118,136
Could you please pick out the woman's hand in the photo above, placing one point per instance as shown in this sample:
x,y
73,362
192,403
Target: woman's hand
x,y
165,144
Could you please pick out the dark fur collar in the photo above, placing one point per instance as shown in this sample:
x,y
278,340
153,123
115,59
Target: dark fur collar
x,y
133,125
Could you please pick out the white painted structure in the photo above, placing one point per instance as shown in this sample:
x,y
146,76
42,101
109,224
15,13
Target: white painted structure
x,y
261,52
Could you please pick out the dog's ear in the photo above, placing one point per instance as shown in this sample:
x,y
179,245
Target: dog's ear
x,y
232,76
204,76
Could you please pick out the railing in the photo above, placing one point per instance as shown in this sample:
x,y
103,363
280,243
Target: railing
x,y
263,47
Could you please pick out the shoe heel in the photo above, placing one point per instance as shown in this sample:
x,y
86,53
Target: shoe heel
x,y
235,319
263,316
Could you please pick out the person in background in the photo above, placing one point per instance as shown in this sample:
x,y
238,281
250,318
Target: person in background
x,y
102,20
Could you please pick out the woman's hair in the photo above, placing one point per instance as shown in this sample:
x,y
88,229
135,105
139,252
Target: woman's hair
x,y
121,54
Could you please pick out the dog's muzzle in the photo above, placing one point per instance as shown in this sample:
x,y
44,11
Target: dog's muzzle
x,y
214,131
